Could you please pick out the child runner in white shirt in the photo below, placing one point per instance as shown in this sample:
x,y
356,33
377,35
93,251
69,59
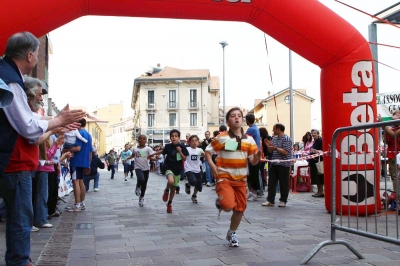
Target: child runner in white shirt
x,y
142,154
192,167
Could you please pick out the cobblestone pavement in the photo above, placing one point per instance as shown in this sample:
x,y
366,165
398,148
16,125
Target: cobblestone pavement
x,y
114,230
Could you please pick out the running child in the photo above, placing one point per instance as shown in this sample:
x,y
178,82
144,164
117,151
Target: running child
x,y
230,171
141,154
192,167
174,153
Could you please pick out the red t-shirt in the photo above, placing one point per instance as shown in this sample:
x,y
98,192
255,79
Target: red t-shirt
x,y
25,156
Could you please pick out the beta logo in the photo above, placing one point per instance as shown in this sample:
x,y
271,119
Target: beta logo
x,y
234,1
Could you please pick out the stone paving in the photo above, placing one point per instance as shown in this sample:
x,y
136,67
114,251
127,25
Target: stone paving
x,y
114,230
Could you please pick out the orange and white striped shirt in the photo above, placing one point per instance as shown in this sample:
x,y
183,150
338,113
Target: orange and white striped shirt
x,y
232,164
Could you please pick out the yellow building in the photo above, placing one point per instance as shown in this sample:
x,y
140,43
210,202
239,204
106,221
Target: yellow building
x,y
170,98
267,113
108,115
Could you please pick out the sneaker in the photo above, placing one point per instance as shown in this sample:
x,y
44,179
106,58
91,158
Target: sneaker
x,y
141,202
138,191
194,199
83,206
209,184
126,179
267,204
177,191
249,195
46,226
131,176
254,197
282,204
96,190
56,214
34,229
165,195
218,206
169,208
187,188
73,209
232,238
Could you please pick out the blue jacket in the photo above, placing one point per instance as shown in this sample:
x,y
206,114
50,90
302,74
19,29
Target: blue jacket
x,y
9,73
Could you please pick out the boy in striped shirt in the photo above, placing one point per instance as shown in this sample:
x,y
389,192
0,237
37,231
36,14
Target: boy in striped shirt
x,y
230,170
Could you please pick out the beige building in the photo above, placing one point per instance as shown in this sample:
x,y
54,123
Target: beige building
x,y
119,135
267,114
108,115
170,98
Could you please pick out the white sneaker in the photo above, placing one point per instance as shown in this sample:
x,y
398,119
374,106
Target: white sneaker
x,y
267,204
282,204
46,225
254,197
34,229
249,195
75,208
96,190
138,191
232,238
141,202
126,179
209,184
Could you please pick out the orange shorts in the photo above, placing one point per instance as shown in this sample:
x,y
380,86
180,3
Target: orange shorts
x,y
232,195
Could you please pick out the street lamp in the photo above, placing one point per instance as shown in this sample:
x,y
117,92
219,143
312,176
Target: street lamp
x,y
179,109
163,136
223,44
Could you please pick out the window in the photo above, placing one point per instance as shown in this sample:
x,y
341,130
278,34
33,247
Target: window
x,y
172,99
193,98
172,120
150,120
150,99
193,119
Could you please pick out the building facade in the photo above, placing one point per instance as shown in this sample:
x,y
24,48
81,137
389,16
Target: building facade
x,y
267,112
169,98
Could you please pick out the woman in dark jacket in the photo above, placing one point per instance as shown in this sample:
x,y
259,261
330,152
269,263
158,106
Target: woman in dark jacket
x,y
316,179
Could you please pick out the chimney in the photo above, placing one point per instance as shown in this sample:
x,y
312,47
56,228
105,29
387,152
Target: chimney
x,y
158,65
269,93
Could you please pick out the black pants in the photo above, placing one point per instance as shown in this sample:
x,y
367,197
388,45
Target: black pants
x,y
142,178
53,191
252,180
278,173
194,179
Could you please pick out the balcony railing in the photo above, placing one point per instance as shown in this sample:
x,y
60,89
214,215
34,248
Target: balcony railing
x,y
193,105
150,106
172,105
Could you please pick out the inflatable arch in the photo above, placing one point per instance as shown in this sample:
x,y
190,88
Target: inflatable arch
x,y
305,26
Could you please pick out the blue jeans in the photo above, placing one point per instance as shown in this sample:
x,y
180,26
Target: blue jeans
x,y
40,197
16,189
87,178
209,178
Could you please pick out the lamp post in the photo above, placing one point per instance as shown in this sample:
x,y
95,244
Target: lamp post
x,y
163,136
223,44
179,109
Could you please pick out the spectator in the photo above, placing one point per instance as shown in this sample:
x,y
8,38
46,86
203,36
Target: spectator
x,y
281,148
80,163
110,160
253,179
266,154
316,179
306,143
204,144
126,163
94,174
20,128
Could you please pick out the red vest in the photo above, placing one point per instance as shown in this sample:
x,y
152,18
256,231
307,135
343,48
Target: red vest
x,y
25,156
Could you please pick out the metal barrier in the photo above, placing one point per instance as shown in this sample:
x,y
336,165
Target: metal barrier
x,y
383,225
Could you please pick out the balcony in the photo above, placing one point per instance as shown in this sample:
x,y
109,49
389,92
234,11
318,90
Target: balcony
x,y
193,105
150,106
172,106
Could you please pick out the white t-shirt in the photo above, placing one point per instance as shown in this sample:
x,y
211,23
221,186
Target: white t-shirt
x,y
193,162
141,161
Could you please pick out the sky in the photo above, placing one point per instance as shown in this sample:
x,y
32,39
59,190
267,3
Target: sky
x,y
96,59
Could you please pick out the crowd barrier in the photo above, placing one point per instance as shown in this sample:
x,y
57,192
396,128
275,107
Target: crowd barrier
x,y
358,205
